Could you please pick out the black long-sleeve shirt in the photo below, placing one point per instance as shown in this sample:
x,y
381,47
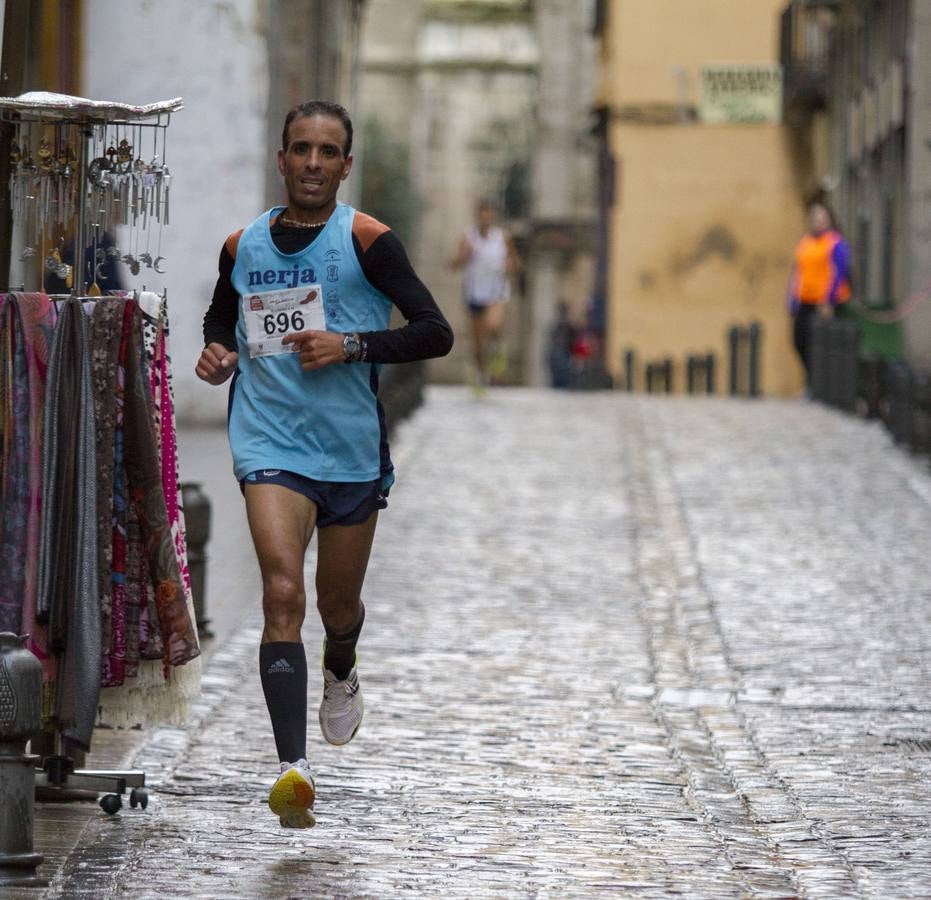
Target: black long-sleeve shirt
x,y
387,268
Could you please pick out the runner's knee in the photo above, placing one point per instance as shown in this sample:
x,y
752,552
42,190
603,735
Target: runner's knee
x,y
338,608
283,599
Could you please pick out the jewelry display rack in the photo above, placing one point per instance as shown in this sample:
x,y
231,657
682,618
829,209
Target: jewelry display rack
x,y
77,166
90,176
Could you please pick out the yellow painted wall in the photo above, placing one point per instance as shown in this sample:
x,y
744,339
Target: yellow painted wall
x,y
649,42
702,238
706,217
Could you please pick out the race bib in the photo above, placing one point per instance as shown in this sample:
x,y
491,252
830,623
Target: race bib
x,y
272,315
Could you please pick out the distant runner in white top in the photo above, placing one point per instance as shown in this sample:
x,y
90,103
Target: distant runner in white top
x,y
486,253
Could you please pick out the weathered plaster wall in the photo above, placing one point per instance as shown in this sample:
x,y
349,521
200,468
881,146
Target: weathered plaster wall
x,y
214,55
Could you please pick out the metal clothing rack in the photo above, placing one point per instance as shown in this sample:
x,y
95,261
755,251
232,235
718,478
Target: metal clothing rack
x,y
58,777
87,298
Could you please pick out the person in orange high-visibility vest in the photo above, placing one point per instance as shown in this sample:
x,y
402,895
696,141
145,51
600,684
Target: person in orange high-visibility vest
x,y
820,277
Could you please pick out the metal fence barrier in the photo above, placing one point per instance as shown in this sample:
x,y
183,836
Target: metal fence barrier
x,y
869,385
834,362
900,402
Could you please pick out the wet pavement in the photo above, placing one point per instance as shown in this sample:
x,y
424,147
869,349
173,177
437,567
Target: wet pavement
x,y
614,645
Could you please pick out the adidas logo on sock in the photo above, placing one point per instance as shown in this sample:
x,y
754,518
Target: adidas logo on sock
x,y
280,667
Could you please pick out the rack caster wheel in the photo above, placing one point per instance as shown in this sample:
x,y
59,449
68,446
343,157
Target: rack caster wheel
x,y
139,797
111,804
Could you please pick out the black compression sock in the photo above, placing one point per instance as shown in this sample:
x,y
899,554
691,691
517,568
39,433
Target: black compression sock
x,y
340,654
283,669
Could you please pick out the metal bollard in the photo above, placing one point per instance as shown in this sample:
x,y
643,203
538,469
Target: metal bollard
x,y
197,527
20,719
733,339
629,361
690,367
754,333
709,373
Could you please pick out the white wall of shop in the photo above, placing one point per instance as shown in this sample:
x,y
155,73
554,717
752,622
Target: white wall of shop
x,y
213,54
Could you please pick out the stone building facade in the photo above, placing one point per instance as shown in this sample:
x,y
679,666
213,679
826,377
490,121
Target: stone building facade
x,y
859,78
490,100
313,52
563,230
700,202
453,84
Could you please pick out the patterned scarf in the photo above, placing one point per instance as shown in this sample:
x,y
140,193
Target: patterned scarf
x,y
158,359
144,473
67,593
26,323
144,572
110,529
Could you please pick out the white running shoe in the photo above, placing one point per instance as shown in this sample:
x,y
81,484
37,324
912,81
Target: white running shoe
x,y
341,707
292,796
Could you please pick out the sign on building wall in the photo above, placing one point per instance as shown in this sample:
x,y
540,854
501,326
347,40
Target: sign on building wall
x,y
743,94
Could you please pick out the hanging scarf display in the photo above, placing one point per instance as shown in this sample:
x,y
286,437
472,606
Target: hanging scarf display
x,y
99,578
158,359
14,467
106,334
67,595
26,323
14,464
144,470
150,697
141,538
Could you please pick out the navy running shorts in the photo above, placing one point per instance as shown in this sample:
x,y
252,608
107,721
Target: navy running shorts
x,y
338,502
477,310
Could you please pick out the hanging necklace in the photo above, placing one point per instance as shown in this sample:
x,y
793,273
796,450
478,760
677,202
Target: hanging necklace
x,y
284,220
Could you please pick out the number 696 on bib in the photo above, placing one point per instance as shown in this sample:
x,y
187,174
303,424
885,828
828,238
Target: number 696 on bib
x,y
272,315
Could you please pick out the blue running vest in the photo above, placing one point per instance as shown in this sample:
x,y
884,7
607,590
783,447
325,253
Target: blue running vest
x,y
325,424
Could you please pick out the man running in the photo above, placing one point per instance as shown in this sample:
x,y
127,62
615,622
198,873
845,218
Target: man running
x,y
299,317
486,253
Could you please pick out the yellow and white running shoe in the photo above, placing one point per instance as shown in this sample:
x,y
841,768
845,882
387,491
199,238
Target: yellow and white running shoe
x,y
292,796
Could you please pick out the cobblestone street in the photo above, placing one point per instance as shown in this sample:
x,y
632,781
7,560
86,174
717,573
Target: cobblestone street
x,y
615,645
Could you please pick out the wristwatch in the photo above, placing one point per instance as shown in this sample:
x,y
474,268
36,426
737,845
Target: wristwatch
x,y
352,347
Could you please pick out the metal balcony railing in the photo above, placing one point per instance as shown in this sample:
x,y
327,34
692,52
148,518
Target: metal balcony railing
x,y
804,54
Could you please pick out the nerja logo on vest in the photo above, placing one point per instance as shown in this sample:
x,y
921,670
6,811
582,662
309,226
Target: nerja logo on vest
x,y
288,278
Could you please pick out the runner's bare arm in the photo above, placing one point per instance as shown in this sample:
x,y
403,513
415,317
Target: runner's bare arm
x,y
462,255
